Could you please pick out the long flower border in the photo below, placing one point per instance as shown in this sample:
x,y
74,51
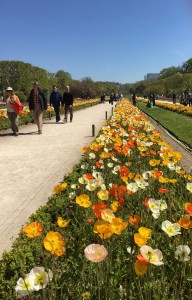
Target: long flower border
x,y
124,214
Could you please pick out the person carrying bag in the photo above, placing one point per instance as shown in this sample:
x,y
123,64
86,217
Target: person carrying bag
x,y
17,106
14,108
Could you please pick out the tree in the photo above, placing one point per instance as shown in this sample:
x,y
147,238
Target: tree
x,y
167,72
187,66
8,74
63,79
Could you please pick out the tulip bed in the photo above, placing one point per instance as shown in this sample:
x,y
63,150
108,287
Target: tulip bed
x,y
117,227
26,117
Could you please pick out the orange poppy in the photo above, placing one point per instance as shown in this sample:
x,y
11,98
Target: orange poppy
x,y
117,148
141,259
85,149
89,176
33,230
153,152
139,268
185,222
131,144
90,220
163,191
134,220
188,208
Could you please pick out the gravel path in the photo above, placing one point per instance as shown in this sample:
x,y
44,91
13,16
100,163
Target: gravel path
x,y
31,165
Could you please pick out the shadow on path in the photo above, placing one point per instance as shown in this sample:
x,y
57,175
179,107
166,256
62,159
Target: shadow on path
x,y
20,133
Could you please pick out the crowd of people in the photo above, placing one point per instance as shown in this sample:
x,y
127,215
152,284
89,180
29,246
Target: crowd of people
x,y
114,97
37,104
186,98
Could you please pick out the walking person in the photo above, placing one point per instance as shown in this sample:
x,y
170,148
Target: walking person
x,y
111,99
153,98
134,99
56,101
12,113
182,98
174,98
102,98
37,104
190,99
68,102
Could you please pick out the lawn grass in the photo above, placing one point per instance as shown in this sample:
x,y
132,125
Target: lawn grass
x,y
177,124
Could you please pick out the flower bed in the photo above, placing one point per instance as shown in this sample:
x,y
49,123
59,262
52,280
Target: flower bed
x,y
186,110
117,227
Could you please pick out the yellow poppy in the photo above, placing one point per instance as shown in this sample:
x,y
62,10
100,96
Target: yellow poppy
x,y
62,223
83,200
60,187
103,195
33,230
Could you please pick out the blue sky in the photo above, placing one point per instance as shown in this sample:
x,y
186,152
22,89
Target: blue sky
x,y
106,40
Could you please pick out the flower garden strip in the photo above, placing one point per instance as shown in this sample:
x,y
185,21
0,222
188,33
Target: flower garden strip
x,y
26,117
117,227
182,109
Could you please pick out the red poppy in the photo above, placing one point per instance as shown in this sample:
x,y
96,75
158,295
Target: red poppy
x,y
89,176
188,208
158,174
121,201
118,191
98,207
124,171
98,164
146,202
163,191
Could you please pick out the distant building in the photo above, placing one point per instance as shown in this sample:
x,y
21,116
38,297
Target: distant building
x,y
151,76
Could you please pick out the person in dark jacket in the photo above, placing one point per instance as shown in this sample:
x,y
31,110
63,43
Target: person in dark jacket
x,y
134,99
174,98
55,101
37,104
68,102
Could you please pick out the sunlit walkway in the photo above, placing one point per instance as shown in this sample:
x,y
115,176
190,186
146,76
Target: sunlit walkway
x,y
31,165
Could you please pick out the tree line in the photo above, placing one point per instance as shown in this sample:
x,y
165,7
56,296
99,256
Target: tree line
x,y
171,80
20,75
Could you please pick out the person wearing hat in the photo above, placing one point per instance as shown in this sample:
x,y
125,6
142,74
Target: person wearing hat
x,y
37,104
12,115
68,102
